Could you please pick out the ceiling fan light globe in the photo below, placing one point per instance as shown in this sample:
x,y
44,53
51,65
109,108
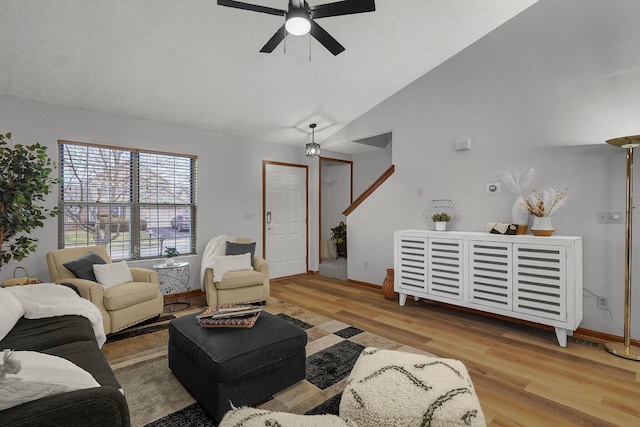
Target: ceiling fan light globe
x,y
297,25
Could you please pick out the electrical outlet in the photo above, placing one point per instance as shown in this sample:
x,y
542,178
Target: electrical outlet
x,y
366,265
602,302
494,187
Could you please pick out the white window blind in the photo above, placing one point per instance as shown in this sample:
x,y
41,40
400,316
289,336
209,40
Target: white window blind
x,y
133,202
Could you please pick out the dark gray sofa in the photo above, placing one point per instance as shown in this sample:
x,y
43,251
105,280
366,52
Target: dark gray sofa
x,y
72,338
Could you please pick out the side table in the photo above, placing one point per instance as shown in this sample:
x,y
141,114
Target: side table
x,y
173,279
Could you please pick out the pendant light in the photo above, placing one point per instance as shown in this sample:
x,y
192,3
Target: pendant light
x,y
313,149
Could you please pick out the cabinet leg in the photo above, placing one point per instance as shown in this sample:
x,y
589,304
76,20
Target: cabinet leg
x,y
416,298
403,299
561,334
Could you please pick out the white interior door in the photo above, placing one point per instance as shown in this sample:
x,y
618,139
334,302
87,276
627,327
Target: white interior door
x,y
285,220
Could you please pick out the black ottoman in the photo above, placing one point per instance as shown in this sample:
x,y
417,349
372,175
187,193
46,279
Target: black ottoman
x,y
220,366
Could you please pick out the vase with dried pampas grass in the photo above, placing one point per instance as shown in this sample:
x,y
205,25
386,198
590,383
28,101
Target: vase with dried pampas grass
x,y
542,207
517,183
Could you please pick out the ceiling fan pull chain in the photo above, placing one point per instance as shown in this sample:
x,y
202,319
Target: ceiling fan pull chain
x,y
309,47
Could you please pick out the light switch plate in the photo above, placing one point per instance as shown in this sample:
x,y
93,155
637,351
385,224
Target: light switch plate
x,y
610,217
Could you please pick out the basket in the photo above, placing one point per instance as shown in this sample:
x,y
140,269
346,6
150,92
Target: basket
x,y
18,281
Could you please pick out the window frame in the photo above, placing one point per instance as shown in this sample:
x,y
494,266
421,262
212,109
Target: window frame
x,y
133,205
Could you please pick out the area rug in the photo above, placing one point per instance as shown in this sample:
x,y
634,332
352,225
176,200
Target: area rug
x,y
147,327
157,399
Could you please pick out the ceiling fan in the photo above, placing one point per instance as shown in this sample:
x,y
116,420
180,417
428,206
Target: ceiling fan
x,y
300,19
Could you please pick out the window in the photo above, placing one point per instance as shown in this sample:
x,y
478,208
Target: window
x,y
133,202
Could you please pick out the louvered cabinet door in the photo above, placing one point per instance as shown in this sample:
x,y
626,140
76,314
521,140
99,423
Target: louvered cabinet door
x,y
490,271
446,268
411,265
540,281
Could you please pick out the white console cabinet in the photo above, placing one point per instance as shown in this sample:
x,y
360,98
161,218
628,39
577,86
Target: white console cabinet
x,y
538,279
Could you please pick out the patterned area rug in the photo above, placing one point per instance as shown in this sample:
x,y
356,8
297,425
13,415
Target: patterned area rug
x,y
157,399
147,327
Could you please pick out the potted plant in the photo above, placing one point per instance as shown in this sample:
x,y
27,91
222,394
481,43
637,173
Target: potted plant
x,y
170,254
339,235
25,178
440,220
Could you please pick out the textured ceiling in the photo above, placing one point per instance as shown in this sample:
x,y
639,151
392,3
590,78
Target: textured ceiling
x,y
194,63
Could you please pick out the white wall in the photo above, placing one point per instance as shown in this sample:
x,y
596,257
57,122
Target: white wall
x,y
545,90
368,166
336,194
229,171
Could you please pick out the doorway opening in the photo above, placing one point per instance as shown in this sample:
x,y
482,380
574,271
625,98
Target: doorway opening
x,y
336,194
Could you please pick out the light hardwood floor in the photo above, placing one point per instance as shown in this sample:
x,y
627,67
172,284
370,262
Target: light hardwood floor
x,y
522,376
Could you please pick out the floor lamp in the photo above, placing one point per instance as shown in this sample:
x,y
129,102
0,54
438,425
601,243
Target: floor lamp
x,y
625,349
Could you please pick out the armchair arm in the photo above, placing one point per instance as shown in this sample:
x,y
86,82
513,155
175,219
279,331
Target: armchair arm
x,y
144,275
259,264
93,291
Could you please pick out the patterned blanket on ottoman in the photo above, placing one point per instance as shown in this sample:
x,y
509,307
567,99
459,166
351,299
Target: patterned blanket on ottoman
x,y
392,388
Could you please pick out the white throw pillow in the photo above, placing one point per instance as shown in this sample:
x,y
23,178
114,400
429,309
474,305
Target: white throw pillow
x,y
10,312
223,264
38,375
110,275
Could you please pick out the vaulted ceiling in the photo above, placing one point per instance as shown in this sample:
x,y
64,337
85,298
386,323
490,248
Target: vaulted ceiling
x,y
194,63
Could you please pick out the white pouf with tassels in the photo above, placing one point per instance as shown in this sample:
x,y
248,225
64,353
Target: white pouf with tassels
x,y
392,388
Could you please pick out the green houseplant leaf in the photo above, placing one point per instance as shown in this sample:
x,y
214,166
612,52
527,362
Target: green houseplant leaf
x,y
25,172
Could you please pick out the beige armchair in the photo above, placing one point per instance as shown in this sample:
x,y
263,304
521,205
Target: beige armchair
x,y
239,286
122,305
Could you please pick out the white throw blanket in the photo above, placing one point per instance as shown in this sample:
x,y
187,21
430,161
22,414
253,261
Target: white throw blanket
x,y
51,300
215,247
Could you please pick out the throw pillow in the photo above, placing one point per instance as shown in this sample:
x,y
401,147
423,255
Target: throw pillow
x,y
10,312
223,264
29,375
82,267
110,275
241,248
250,417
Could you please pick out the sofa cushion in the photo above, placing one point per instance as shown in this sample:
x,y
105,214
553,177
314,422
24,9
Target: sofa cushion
x,y
82,267
127,294
241,248
42,334
10,312
29,375
87,355
240,279
109,275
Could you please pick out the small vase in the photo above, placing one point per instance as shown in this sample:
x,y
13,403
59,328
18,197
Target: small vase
x,y
169,261
387,286
542,226
519,215
441,225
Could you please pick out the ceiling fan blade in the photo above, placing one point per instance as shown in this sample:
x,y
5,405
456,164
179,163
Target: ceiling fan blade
x,y
342,8
274,41
252,7
326,39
